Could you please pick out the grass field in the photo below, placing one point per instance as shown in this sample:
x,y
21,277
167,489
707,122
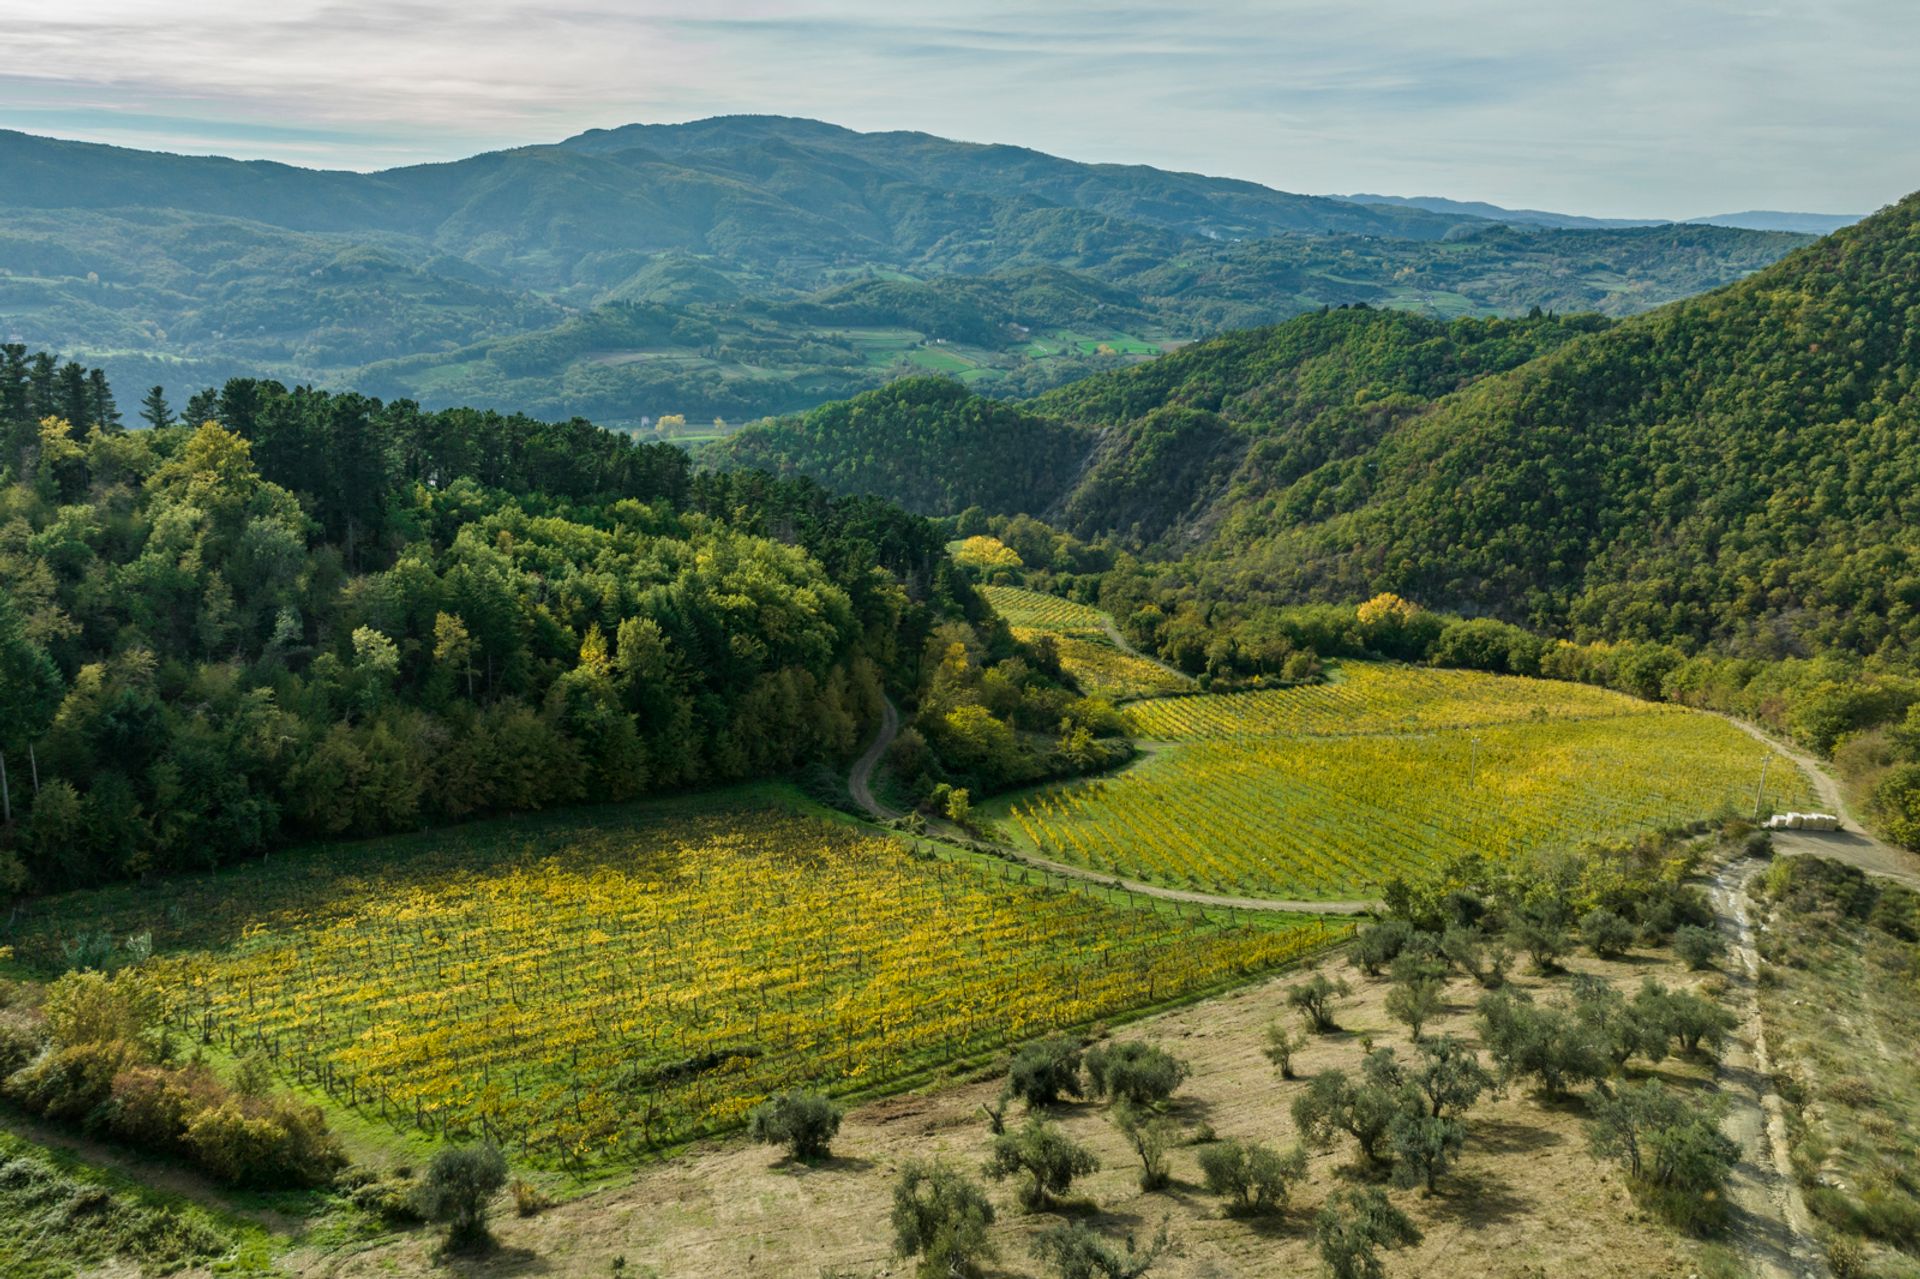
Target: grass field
x,y
588,990
1327,792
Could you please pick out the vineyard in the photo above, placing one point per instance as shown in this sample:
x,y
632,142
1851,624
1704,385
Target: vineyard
x,y
1265,794
601,991
1366,697
1039,612
1101,670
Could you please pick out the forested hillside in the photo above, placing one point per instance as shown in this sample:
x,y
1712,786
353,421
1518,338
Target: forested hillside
x,y
1735,470
308,614
736,267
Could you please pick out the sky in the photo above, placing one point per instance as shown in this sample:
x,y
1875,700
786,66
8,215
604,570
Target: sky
x,y
1621,108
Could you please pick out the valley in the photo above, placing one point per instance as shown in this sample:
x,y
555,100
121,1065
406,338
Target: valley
x,y
754,697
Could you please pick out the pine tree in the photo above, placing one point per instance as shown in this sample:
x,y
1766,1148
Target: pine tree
x,y
154,408
203,406
101,410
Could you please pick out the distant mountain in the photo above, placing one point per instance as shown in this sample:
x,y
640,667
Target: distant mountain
x,y
734,267
1741,468
1754,220
1766,220
1494,213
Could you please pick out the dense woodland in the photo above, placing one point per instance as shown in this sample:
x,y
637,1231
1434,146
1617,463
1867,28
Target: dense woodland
x,y
308,614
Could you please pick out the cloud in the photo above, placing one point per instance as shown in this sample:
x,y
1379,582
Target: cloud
x,y
1627,107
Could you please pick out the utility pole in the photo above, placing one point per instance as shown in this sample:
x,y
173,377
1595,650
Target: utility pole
x,y
1760,791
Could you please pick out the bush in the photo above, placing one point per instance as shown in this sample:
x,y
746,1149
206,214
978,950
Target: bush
x,y
1671,1148
459,1185
1415,1003
1282,1044
941,1217
1314,999
70,1083
1363,1109
1606,934
1151,1136
23,1036
1423,1147
528,1199
1076,1252
1140,1073
1378,945
1045,1071
265,1145
1254,1178
1046,1157
1352,1229
151,1106
1700,948
394,1197
805,1123
1549,1045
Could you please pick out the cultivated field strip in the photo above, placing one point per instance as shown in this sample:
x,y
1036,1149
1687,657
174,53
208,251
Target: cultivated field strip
x,y
1044,612
1101,670
636,988
1338,816
1367,697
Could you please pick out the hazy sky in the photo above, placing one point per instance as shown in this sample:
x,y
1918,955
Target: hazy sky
x,y
1617,107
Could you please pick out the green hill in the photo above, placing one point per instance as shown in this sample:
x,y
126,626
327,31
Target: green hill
x,y
788,263
1738,468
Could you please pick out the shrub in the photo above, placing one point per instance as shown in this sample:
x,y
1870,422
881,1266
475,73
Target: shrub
x,y
1352,1229
1700,948
1414,1004
1045,1071
1549,1045
1363,1109
1076,1252
805,1123
1314,998
1046,1157
941,1217
1423,1147
394,1197
459,1185
23,1036
1671,1148
1282,1044
1255,1179
265,1145
1151,1136
1378,945
151,1106
70,1083
1140,1073
1606,934
92,1008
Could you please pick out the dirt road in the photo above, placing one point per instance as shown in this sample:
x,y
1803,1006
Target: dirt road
x,y
860,780
1852,843
1772,1227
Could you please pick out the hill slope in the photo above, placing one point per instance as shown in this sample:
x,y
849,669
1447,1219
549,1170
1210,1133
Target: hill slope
x,y
1741,467
489,280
